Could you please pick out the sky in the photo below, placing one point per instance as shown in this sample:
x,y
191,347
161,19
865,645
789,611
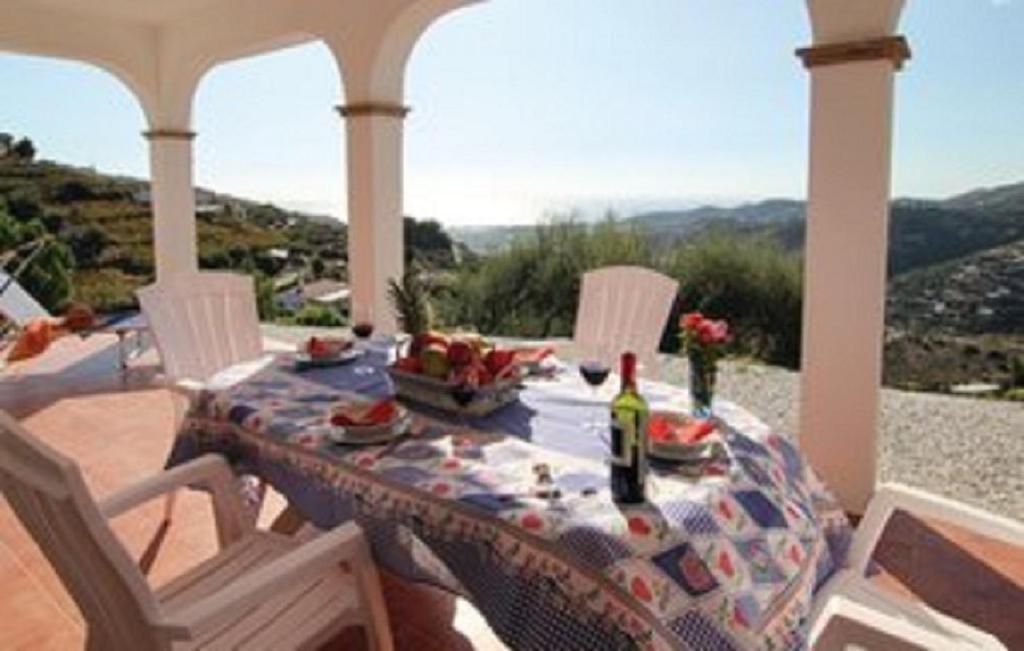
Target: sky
x,y
525,108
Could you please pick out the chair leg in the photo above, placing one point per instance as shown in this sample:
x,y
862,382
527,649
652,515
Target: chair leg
x,y
375,613
169,501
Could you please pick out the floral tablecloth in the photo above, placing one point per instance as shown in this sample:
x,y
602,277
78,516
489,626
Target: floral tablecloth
x,y
729,560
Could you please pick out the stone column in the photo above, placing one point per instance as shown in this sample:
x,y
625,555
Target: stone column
x,y
173,200
845,259
375,238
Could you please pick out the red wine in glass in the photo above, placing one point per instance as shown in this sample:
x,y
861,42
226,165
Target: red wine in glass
x,y
363,329
594,372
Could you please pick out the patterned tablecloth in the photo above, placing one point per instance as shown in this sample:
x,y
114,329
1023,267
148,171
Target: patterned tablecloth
x,y
726,561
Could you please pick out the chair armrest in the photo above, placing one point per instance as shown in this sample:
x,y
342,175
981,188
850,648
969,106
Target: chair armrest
x,y
889,498
209,471
187,388
305,562
897,622
844,622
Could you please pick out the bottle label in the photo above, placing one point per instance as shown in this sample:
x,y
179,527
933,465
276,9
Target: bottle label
x,y
623,441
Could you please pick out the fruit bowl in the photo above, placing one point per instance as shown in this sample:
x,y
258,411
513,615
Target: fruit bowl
x,y
460,373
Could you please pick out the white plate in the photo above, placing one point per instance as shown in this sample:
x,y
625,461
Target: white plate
x,y
371,434
344,357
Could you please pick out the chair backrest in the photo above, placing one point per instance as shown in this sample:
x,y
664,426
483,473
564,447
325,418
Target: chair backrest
x,y
202,322
49,496
16,304
625,308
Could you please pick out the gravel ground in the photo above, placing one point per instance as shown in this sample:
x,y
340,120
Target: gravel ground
x,y
967,449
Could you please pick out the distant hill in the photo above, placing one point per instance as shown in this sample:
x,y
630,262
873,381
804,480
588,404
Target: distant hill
x,y
105,224
922,232
977,294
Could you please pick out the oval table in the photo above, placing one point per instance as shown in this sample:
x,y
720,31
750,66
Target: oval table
x,y
729,559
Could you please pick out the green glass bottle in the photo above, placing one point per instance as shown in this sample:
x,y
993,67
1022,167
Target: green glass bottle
x,y
629,438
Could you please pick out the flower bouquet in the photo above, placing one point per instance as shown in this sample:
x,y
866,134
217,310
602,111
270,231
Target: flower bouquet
x,y
703,343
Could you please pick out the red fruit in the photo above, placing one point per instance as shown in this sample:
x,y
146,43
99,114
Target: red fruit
x,y
316,346
460,353
659,429
382,412
639,527
409,365
498,359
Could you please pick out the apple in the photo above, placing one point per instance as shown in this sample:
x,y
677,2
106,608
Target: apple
x,y
409,365
498,359
460,353
434,359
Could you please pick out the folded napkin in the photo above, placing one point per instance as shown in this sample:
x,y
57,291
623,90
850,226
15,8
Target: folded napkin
x,y
363,414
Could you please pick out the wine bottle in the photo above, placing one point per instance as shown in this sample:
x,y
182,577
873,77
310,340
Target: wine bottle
x,y
629,438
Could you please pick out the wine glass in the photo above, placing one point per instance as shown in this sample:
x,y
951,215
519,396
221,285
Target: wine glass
x,y
594,369
362,328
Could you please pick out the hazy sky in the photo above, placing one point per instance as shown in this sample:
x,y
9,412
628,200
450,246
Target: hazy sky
x,y
527,106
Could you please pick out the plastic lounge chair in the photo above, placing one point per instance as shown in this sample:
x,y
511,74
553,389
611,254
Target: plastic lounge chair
x,y
623,308
260,591
850,609
19,307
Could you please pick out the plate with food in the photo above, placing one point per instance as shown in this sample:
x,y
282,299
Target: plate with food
x,y
326,351
679,437
368,423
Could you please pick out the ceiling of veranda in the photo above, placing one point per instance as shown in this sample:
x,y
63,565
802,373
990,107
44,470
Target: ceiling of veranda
x,y
148,11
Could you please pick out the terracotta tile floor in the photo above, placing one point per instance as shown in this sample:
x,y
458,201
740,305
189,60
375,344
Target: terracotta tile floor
x,y
75,399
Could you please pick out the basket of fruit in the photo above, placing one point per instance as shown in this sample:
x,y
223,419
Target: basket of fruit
x,y
461,373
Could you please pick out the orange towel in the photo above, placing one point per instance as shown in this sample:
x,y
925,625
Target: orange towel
x,y
34,339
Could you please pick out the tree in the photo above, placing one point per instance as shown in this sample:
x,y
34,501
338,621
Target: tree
x,y
87,243
48,275
24,150
6,144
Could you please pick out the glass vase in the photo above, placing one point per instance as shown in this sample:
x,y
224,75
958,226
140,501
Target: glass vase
x,y
703,374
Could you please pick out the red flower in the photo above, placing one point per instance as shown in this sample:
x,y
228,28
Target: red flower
x,y
712,332
691,320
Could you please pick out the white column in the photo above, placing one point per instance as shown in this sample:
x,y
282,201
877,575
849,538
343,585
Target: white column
x,y
375,237
845,260
173,200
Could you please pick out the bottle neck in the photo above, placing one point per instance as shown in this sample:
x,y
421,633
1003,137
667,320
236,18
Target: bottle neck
x,y
628,372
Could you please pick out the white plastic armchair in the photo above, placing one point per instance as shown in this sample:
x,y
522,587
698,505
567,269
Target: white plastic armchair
x,y
261,591
202,323
625,308
851,610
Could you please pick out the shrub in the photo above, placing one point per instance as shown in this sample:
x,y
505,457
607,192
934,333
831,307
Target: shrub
x,y
751,282
531,289
318,315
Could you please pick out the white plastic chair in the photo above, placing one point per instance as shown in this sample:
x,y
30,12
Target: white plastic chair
x,y
623,308
16,304
260,591
202,323
850,609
